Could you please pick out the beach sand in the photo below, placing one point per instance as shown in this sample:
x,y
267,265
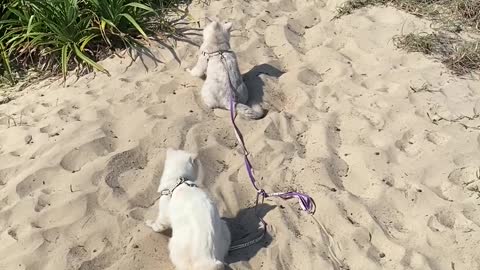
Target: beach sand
x,y
394,170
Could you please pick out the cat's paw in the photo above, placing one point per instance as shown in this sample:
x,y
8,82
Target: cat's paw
x,y
194,72
149,222
155,227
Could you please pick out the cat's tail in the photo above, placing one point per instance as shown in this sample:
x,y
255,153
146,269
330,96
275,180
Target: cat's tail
x,y
254,112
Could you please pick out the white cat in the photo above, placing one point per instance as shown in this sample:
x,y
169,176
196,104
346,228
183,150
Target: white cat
x,y
200,239
223,75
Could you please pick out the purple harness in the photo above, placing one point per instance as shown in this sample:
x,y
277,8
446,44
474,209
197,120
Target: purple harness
x,y
306,202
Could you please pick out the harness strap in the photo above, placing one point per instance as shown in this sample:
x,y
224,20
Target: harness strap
x,y
181,180
216,53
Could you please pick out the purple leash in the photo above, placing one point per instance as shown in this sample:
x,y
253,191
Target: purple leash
x,y
306,202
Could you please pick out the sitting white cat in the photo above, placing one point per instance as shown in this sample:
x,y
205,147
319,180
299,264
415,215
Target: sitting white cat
x,y
200,239
223,75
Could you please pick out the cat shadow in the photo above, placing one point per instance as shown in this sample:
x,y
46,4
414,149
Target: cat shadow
x,y
244,227
255,83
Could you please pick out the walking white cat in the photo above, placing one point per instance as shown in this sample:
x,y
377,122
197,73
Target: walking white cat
x,y
219,62
200,239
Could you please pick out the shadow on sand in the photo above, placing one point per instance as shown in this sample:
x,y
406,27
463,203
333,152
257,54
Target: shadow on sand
x,y
245,227
255,83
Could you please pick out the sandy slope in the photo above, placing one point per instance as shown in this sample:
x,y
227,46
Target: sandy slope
x,y
394,189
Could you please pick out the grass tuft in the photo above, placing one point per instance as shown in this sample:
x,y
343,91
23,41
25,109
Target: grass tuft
x,y
465,58
462,12
427,43
451,18
460,56
350,6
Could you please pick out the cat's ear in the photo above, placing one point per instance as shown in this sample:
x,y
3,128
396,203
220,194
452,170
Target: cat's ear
x,y
228,26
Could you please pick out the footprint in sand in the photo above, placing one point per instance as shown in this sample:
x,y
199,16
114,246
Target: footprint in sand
x,y
92,93
12,232
415,261
410,143
67,113
33,111
38,180
468,178
78,157
76,256
391,220
42,202
304,18
374,119
472,213
478,142
446,219
442,220
283,40
120,163
437,138
158,111
309,77
167,89
50,130
6,174
200,135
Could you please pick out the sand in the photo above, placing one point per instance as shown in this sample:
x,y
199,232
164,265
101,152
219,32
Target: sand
x,y
394,171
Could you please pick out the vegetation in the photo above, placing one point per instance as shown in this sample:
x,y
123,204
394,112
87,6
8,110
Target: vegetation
x,y
451,17
60,35
460,56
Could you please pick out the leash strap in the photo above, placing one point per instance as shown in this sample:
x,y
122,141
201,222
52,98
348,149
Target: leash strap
x,y
306,202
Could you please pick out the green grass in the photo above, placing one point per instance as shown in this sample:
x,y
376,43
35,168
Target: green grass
x,y
451,17
56,36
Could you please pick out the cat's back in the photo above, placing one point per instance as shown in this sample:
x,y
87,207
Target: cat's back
x,y
191,204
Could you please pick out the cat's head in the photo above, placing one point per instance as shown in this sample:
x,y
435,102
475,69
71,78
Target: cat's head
x,y
179,163
216,33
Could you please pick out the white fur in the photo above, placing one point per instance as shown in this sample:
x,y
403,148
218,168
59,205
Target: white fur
x,y
200,239
217,88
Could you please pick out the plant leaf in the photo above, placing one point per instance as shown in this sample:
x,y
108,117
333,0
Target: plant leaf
x,y
29,27
89,61
66,52
141,6
6,62
85,41
134,23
